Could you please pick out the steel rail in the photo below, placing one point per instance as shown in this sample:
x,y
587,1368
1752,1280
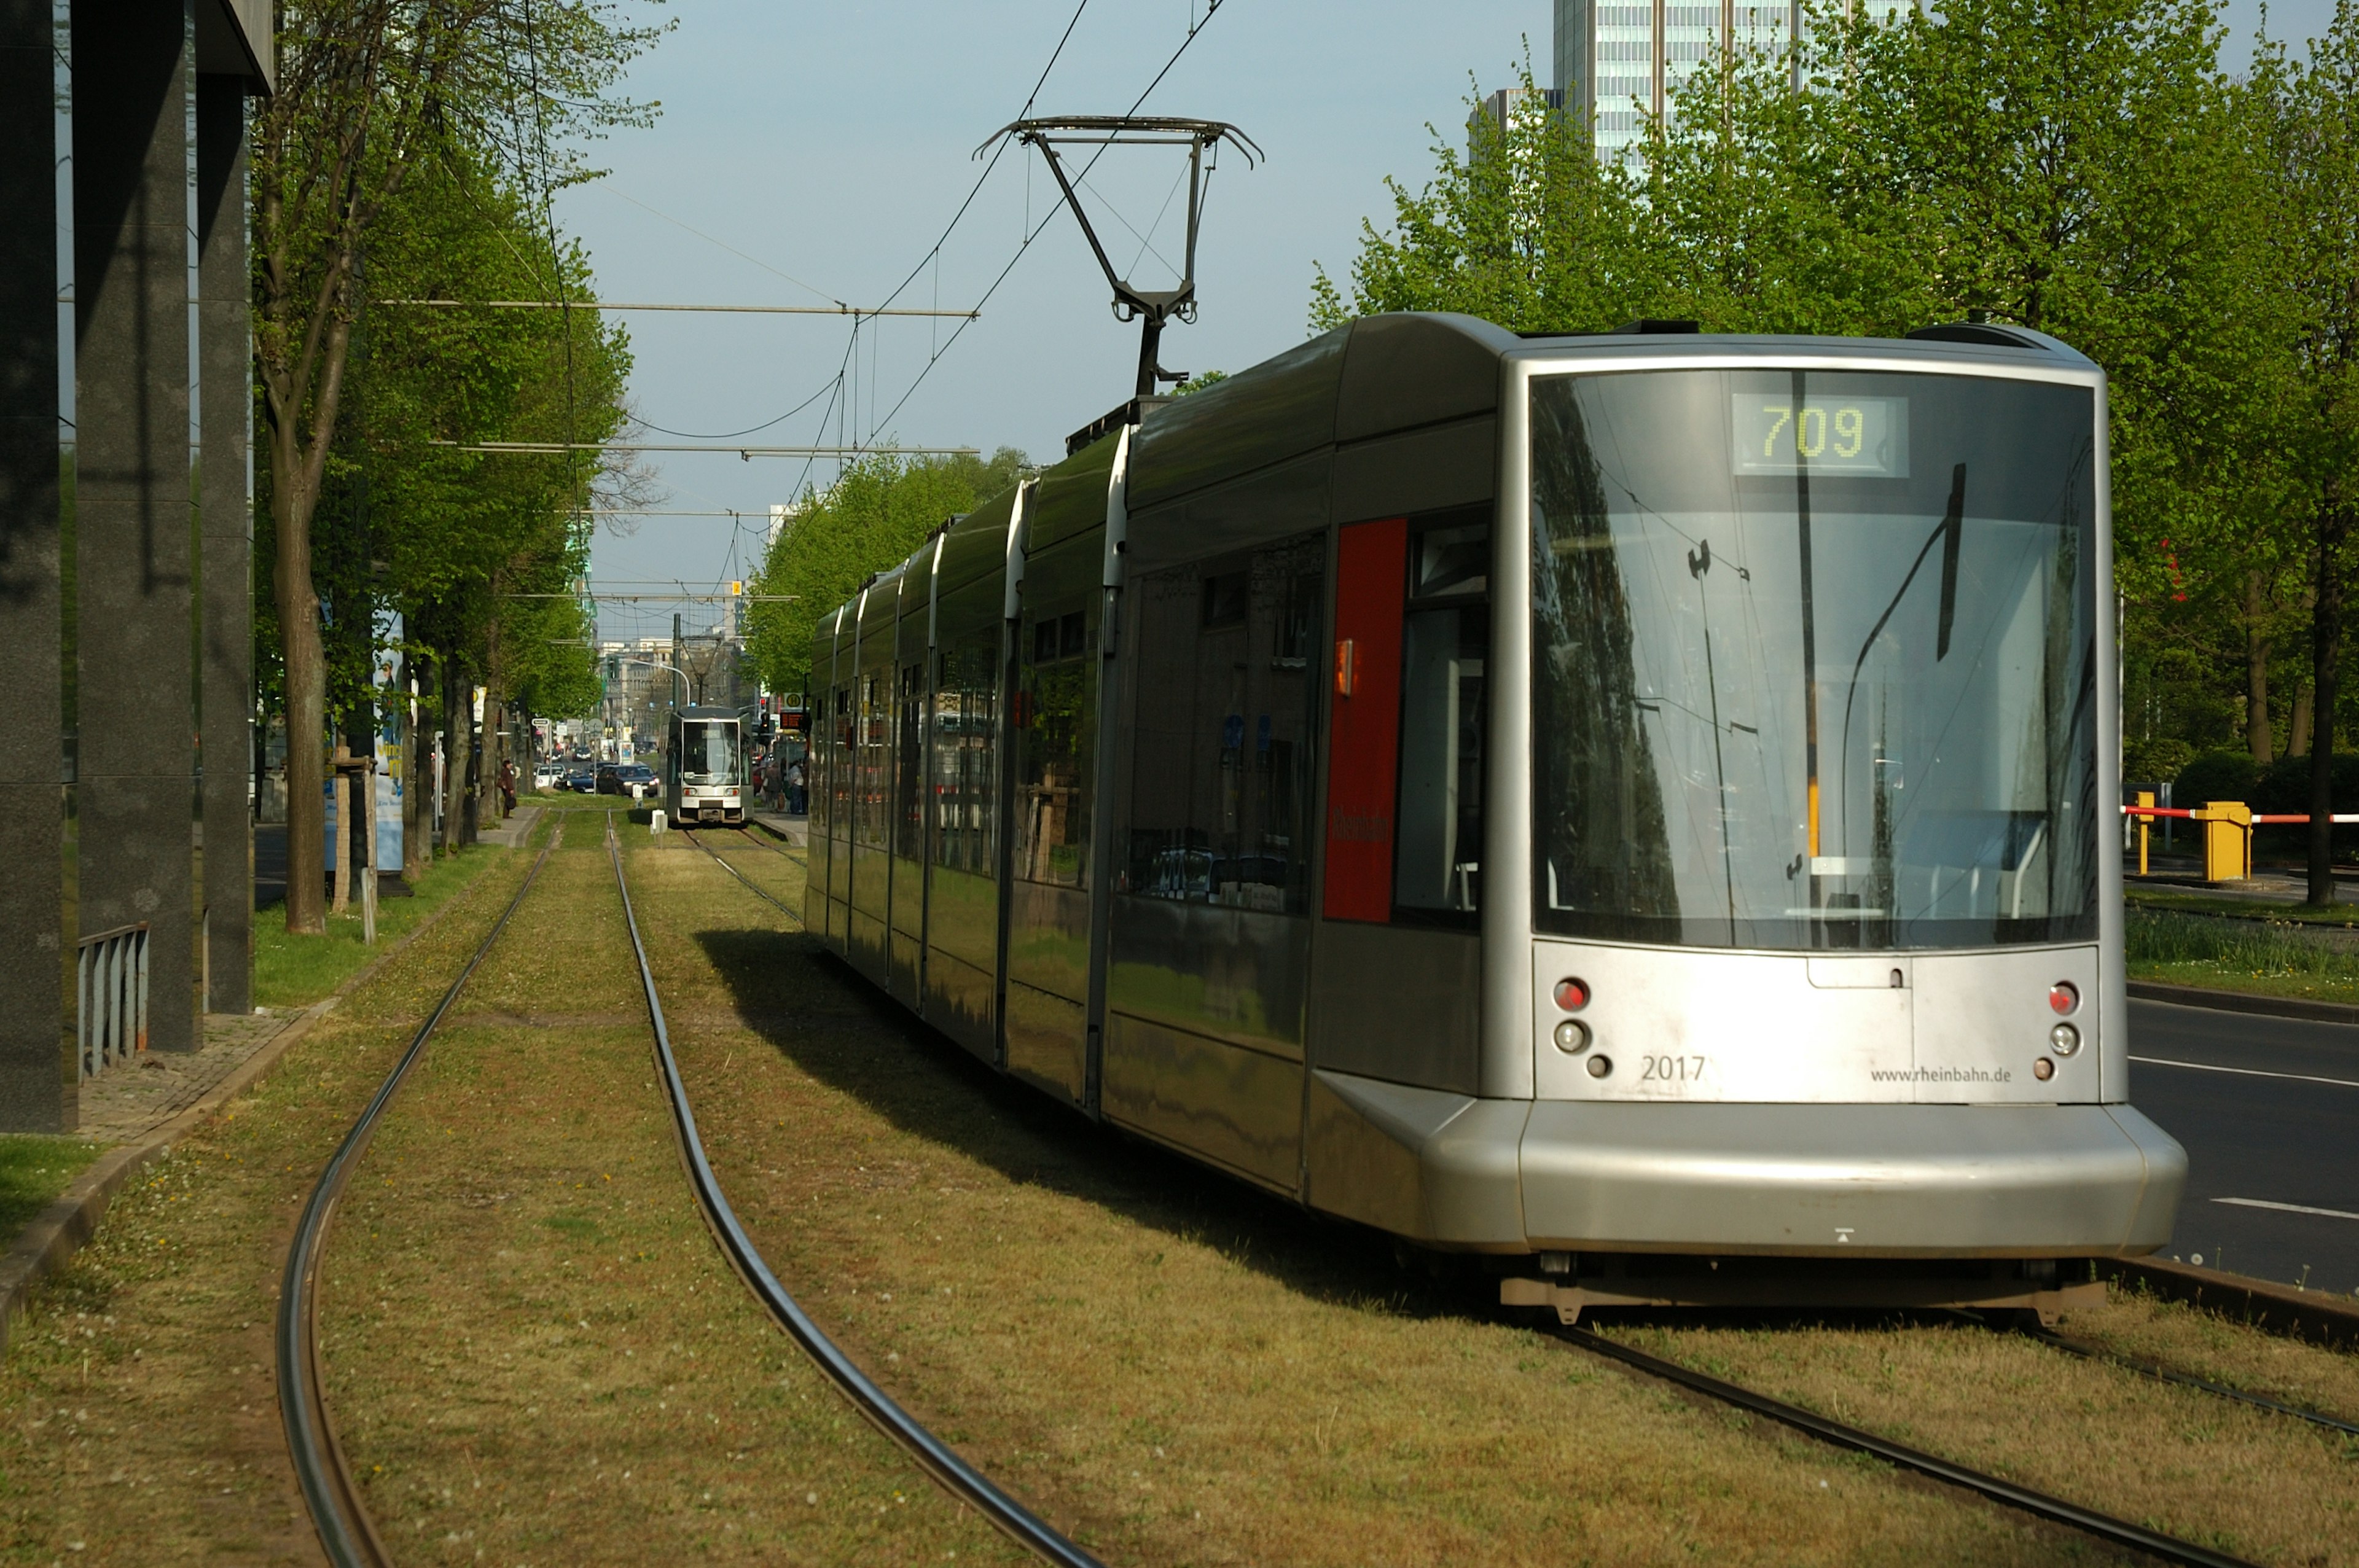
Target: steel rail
x,y
346,1533
2165,1374
762,843
2105,1527
937,1458
751,886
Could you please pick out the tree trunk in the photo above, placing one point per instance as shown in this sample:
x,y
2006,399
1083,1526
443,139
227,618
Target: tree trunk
x,y
307,692
457,730
2326,665
418,794
492,751
2257,734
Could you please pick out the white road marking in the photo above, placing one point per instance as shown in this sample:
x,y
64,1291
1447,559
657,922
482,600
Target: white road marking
x,y
2245,1072
2288,1207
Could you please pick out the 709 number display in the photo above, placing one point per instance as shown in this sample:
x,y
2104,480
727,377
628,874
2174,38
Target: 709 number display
x,y
1864,436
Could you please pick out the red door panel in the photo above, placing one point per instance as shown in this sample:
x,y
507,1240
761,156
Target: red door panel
x,y
1364,737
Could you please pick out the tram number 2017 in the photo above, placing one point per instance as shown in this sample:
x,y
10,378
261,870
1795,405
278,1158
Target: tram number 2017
x,y
1671,1069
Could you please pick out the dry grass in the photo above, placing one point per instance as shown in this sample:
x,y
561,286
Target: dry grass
x,y
1179,1371
2309,1377
137,1419
1174,1368
591,1382
2243,1481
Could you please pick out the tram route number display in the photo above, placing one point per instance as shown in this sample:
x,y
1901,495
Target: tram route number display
x,y
1867,437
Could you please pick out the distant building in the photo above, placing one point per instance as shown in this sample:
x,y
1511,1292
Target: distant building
x,y
1620,63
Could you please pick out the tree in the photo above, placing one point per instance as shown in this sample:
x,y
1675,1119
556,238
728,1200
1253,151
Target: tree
x,y
2310,115
367,91
881,508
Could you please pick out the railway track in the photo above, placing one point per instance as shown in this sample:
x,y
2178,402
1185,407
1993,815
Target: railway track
x,y
937,1458
1841,1434
346,1532
348,1536
2117,1531
751,886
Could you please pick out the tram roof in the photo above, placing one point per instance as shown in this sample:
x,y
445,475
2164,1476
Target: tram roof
x,y
1385,375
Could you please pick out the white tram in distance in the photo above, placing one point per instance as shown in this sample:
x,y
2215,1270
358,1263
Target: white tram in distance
x,y
1640,800
705,768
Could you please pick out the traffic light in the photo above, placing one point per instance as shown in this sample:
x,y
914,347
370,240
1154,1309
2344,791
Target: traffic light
x,y
615,669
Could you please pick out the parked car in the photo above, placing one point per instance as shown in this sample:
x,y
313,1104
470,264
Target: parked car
x,y
548,775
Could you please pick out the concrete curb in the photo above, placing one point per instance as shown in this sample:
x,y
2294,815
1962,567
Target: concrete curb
x,y
61,1230
2242,1001
2314,1315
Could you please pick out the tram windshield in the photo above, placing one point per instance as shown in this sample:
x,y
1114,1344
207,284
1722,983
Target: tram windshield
x,y
708,752
1813,660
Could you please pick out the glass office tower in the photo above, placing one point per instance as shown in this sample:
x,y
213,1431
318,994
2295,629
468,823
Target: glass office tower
x,y
1622,62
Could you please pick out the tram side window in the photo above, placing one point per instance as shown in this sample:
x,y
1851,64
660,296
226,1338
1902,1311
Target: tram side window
x,y
839,765
1446,636
966,723
870,819
1227,693
909,813
1056,722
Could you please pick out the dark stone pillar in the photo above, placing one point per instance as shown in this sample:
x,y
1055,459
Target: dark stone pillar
x,y
225,516
34,918
133,519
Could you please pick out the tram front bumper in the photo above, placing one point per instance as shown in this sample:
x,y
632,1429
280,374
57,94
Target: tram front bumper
x,y
1886,1179
1796,1180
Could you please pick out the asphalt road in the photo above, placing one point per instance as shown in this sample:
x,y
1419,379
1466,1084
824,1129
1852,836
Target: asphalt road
x,y
2268,1108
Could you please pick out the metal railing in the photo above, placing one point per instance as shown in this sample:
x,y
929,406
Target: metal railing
x,y
111,997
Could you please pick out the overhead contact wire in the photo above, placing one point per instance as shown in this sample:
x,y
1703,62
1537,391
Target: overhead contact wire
x,y
1025,244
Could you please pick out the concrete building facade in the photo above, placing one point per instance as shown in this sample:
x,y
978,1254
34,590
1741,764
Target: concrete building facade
x,y
125,554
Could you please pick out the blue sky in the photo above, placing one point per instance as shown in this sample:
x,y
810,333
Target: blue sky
x,y
831,144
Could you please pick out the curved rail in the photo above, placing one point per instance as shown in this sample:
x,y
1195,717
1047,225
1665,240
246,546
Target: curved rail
x,y
346,1533
937,1459
2165,1374
2105,1527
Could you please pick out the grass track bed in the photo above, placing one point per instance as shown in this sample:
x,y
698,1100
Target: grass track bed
x,y
1176,1370
534,1348
138,1419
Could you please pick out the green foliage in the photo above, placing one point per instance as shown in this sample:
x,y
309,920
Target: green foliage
x,y
2088,169
883,507
1199,381
2216,775
2157,761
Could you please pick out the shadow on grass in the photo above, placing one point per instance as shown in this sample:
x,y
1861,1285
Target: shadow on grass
x,y
836,1025
853,1037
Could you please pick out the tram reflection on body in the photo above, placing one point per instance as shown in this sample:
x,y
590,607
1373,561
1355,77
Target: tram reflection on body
x,y
1638,799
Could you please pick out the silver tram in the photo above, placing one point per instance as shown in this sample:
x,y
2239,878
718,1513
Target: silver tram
x,y
1640,799
704,767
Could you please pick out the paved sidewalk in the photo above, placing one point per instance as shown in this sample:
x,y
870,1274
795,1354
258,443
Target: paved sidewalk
x,y
511,833
795,830
131,1100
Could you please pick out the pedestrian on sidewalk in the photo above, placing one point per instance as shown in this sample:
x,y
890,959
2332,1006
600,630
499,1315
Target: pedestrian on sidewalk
x,y
508,789
796,801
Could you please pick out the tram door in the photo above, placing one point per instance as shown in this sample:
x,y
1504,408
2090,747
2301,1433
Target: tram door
x,y
1398,950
